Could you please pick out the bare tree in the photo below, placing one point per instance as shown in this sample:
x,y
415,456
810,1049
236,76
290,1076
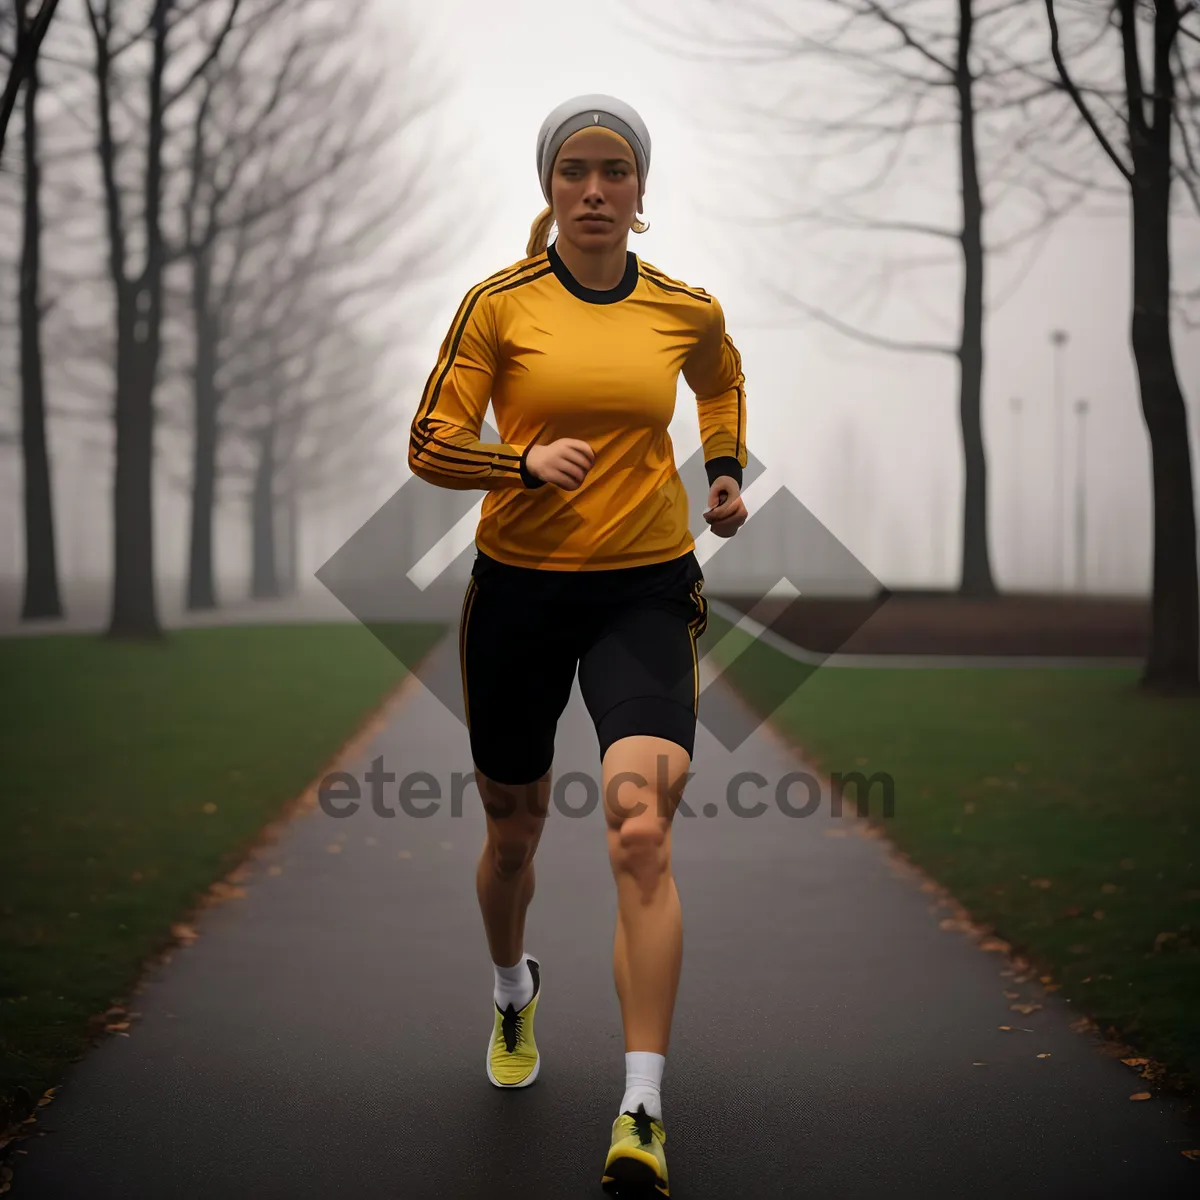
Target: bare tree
x,y
138,287
29,27
286,153
1157,127
881,86
41,593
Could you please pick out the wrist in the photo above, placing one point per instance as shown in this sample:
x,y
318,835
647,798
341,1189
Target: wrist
x,y
724,465
528,478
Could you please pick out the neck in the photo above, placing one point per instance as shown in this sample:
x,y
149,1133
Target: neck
x,y
601,268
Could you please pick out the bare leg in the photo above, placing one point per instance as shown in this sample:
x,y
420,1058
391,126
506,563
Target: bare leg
x,y
504,881
648,946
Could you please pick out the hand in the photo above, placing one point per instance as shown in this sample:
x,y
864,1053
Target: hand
x,y
726,512
565,462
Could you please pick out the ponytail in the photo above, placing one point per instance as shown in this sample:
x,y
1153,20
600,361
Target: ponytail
x,y
539,232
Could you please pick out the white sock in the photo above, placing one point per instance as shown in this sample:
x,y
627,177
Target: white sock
x,y
514,985
643,1081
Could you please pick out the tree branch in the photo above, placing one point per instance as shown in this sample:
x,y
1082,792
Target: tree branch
x,y
1073,92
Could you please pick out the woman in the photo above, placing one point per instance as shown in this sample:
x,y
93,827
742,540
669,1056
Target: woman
x,y
584,560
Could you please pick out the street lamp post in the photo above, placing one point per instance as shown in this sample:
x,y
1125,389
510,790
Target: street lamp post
x,y
1081,411
1015,518
1058,339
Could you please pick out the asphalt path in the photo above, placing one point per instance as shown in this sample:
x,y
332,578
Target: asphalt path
x,y
324,1035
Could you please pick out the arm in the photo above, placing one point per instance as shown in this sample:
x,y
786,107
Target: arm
x,y
713,370
444,446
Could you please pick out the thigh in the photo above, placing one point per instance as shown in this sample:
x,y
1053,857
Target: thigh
x,y
518,659
639,673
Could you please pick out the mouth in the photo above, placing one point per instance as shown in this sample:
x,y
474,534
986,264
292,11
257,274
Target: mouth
x,y
594,221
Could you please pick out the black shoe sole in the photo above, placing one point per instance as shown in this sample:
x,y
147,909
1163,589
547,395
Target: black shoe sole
x,y
630,1177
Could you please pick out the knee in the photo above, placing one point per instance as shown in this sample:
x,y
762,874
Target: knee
x,y
509,856
638,846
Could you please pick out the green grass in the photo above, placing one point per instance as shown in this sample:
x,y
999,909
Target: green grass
x,y
1060,807
111,753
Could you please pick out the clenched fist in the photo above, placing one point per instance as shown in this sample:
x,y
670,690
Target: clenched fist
x,y
564,463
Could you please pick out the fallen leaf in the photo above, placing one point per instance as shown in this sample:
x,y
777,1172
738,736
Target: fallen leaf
x,y
1024,1009
116,1027
1108,888
1127,864
1003,1026
334,848
1039,883
1044,1055
1135,1062
1011,995
1099,914
210,807
183,933
995,944
1140,1096
979,1064
1162,939
1045,978
1194,1155
226,891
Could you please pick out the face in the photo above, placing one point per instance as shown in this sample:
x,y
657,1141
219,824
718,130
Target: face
x,y
594,189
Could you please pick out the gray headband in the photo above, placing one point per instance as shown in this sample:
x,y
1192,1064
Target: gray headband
x,y
582,112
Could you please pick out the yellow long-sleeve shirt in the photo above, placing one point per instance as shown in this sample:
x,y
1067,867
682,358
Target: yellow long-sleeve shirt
x,y
561,360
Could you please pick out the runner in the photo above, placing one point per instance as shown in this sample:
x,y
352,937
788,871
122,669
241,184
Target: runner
x,y
584,562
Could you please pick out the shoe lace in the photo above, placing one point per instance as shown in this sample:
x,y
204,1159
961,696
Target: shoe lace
x,y
641,1125
510,1027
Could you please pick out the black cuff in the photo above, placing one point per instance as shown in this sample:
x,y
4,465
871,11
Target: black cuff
x,y
527,478
726,465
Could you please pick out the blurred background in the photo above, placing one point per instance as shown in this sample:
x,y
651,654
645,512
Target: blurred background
x,y
957,243
811,183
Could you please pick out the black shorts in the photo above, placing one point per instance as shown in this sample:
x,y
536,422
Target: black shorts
x,y
630,631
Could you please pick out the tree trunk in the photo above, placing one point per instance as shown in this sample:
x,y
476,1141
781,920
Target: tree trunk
x,y
134,604
976,561
292,546
1174,657
264,577
41,561
139,331
201,585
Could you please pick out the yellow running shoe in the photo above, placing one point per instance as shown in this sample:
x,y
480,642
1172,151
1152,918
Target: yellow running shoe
x,y
636,1164
513,1058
